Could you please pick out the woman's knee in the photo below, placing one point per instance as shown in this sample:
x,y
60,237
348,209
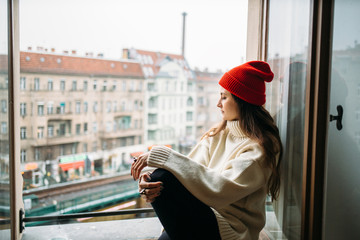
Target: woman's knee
x,y
162,175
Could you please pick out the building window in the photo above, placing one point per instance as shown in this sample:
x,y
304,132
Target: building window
x,y
50,108
108,106
74,148
104,86
108,126
22,109
189,102
23,133
62,85
85,107
188,130
78,129
50,85
85,86
124,86
85,147
85,128
62,108
115,106
74,85
152,119
23,83
95,127
189,116
95,107
94,84
62,150
136,124
77,107
37,154
50,130
40,109
62,129
94,146
3,106
40,132
151,135
114,85
36,84
23,155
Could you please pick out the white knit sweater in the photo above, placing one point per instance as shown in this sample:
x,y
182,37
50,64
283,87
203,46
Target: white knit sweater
x,y
225,172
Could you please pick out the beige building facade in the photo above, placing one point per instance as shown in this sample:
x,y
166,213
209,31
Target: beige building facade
x,y
73,108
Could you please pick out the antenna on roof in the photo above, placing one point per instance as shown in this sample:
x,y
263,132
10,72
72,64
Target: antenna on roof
x,y
183,36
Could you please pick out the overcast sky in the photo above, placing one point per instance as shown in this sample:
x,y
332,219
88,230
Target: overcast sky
x,y
215,29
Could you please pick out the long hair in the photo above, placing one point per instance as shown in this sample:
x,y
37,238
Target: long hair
x,y
257,124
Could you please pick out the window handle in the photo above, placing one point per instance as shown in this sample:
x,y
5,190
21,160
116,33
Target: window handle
x,y
338,118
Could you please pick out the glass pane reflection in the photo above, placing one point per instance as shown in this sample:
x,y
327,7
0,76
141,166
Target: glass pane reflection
x,y
287,54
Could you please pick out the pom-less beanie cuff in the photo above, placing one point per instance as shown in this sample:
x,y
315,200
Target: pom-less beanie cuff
x,y
247,81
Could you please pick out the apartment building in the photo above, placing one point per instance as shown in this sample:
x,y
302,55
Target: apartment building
x,y
170,100
73,108
208,94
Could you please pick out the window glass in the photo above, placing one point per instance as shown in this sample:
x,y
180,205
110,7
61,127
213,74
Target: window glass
x,y
4,134
107,98
287,53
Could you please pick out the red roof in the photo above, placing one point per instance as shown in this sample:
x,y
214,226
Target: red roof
x,y
75,65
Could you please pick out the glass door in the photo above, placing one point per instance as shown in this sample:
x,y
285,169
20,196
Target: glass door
x,y
342,191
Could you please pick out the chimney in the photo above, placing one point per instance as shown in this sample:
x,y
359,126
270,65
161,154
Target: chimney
x,y
52,50
183,36
73,52
29,48
100,55
66,52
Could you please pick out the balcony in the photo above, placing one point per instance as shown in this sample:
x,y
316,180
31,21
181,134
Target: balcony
x,y
57,140
120,133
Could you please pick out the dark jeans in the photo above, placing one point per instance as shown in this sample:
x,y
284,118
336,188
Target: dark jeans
x,y
182,215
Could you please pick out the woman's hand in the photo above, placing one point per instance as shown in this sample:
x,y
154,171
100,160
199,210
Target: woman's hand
x,y
149,190
138,165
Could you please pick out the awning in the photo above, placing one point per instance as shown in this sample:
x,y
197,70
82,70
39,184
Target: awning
x,y
71,165
72,161
31,166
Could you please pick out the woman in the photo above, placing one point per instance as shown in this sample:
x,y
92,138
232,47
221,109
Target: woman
x,y
219,190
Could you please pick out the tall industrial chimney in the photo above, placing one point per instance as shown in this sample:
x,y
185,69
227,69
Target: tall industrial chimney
x,y
183,35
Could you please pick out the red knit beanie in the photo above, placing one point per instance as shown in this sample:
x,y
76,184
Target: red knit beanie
x,y
247,81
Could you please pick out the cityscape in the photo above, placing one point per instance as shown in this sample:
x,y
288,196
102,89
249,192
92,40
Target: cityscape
x,y
84,118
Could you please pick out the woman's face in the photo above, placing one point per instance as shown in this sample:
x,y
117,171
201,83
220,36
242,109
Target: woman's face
x,y
228,106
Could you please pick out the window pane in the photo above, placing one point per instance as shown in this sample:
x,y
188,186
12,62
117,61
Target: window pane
x,y
287,54
100,109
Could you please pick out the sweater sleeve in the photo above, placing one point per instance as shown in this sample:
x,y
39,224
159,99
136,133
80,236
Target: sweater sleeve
x,y
241,176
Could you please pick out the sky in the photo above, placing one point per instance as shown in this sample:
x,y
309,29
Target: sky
x,y
215,33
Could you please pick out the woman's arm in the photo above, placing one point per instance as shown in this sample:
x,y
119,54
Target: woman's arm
x,y
242,176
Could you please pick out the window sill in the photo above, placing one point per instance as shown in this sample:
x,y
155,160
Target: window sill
x,y
140,228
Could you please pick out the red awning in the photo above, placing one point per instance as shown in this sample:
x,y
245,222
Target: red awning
x,y
74,165
31,166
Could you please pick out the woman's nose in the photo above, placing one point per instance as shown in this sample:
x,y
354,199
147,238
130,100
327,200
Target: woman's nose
x,y
219,104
